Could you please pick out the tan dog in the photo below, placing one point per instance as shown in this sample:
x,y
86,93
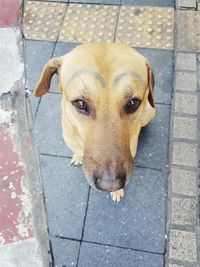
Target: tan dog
x,y
107,98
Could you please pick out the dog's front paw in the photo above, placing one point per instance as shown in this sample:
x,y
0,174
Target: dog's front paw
x,y
77,160
117,195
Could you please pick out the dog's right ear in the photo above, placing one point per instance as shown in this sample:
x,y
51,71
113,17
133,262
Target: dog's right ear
x,y
151,82
49,70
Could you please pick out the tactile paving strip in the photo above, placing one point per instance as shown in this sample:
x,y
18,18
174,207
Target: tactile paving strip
x,y
89,23
151,27
188,31
42,20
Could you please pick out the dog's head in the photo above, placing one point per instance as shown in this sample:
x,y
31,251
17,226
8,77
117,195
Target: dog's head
x,y
107,91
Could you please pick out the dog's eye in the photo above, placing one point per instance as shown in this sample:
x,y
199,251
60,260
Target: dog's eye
x,y
81,106
132,105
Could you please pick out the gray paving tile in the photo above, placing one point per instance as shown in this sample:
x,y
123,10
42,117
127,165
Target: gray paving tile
x,y
98,255
37,54
153,141
34,101
65,252
63,48
168,3
47,131
162,64
66,192
138,221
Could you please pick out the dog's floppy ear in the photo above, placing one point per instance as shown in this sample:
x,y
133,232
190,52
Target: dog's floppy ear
x,y
151,82
49,70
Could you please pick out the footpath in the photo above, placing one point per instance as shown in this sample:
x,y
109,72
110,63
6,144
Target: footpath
x,y
49,216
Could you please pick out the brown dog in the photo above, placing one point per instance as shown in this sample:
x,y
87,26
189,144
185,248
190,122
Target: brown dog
x,y
107,98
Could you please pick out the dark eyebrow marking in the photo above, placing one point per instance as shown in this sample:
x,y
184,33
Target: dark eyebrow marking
x,y
92,72
128,73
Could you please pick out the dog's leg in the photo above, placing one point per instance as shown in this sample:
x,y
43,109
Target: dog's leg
x,y
77,160
117,195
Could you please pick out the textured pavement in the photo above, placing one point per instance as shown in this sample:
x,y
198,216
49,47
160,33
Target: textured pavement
x,y
156,224
82,220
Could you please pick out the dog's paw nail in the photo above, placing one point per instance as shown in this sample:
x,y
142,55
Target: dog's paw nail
x,y
76,160
117,195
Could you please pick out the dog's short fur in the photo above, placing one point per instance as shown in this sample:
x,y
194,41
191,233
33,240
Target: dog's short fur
x,y
107,96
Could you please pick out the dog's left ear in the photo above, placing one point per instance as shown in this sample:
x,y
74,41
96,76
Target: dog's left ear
x,y
151,82
49,70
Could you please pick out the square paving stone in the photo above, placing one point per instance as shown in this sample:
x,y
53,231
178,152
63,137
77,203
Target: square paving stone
x,y
138,221
47,131
162,65
185,103
65,252
66,192
154,141
187,34
158,3
183,246
186,61
98,255
37,54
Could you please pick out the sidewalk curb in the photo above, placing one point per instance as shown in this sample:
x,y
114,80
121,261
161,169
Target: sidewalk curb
x,y
183,192
23,231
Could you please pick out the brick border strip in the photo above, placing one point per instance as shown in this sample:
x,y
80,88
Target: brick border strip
x,y
183,208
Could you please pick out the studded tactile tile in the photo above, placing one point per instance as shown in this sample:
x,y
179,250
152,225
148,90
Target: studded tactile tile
x,y
146,27
42,20
89,23
188,31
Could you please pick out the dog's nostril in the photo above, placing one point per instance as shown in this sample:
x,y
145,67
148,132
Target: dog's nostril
x,y
98,180
122,179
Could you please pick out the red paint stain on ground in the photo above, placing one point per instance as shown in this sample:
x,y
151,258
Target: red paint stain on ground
x,y
9,13
11,174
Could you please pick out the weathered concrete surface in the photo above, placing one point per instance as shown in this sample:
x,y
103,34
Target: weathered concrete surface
x,y
11,67
20,254
23,229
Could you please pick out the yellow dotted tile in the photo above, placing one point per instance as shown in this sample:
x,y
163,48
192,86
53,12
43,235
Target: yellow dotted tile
x,y
151,27
188,31
42,20
89,23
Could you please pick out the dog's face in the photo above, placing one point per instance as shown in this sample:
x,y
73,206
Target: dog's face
x,y
106,90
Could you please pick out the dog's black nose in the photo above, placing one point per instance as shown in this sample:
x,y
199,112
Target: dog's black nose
x,y
104,183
